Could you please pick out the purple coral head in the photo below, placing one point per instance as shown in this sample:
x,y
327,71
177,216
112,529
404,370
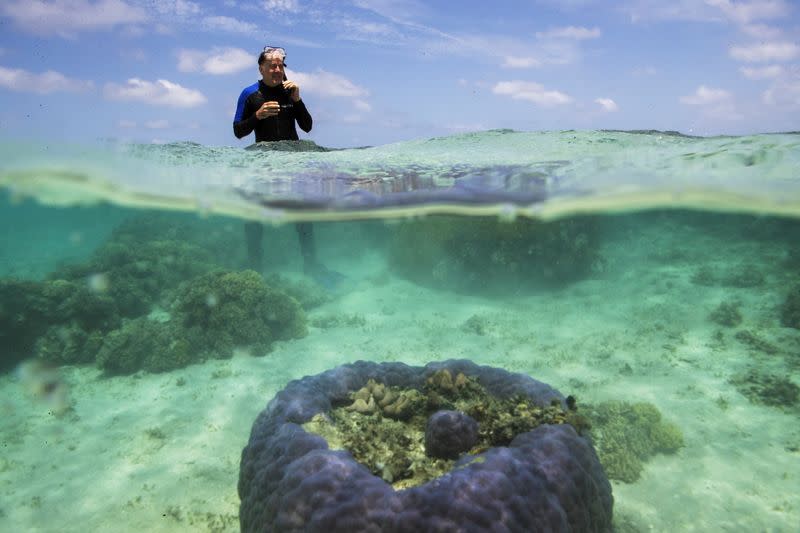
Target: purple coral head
x,y
449,434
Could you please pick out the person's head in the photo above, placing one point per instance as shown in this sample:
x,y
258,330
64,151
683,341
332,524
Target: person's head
x,y
271,65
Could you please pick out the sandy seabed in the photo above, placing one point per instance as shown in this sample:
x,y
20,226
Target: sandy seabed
x,y
160,452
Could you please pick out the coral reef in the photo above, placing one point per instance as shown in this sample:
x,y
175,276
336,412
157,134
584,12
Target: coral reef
x,y
57,319
79,322
741,276
391,402
298,471
790,309
308,294
152,264
754,342
333,320
224,310
24,317
626,435
139,275
767,389
744,276
476,324
473,252
219,238
448,434
727,314
68,344
144,344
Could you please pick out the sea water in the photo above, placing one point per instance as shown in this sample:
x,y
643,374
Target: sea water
x,y
615,266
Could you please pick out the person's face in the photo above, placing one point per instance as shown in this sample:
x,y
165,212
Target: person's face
x,y
272,71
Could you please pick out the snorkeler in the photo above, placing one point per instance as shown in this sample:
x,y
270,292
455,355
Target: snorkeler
x,y
270,107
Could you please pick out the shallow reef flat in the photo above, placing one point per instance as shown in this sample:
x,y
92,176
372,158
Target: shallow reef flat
x,y
687,312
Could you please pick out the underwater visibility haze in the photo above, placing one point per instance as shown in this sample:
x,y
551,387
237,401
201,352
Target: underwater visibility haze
x,y
602,327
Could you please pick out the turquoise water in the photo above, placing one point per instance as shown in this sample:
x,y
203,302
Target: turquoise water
x,y
615,266
502,172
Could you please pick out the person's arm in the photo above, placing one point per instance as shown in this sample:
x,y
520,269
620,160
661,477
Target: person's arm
x,y
245,120
302,116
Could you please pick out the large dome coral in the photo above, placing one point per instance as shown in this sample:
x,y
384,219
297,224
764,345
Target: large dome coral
x,y
545,479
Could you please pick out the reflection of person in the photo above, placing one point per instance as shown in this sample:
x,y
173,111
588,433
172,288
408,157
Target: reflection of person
x,y
270,107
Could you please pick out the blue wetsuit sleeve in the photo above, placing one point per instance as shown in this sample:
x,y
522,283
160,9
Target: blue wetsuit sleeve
x,y
245,120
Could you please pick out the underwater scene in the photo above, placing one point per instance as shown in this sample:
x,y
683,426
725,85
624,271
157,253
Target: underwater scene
x,y
503,331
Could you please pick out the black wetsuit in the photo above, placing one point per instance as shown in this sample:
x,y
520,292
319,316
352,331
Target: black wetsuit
x,y
278,128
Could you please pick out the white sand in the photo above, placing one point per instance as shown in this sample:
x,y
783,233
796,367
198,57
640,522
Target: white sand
x,y
145,453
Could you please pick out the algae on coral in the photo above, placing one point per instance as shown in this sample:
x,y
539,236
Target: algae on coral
x,y
384,427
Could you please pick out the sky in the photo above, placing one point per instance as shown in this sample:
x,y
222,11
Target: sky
x,y
373,72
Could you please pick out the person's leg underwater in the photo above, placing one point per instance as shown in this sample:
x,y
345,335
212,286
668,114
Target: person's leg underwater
x,y
305,234
254,237
311,266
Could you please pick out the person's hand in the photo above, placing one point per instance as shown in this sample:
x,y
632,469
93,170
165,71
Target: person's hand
x,y
293,89
268,109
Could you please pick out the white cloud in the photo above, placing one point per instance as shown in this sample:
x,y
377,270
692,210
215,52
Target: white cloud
x,y
761,52
216,61
643,10
521,62
126,124
747,11
353,29
740,12
713,103
157,124
68,17
531,91
281,5
784,93
362,105
608,105
706,96
229,24
228,61
762,73
396,10
180,8
160,92
762,31
326,83
570,32
47,82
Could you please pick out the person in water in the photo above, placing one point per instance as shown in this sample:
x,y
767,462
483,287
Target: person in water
x,y
272,105
270,108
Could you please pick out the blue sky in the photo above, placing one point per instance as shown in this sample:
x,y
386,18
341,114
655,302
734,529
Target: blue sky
x,y
379,71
